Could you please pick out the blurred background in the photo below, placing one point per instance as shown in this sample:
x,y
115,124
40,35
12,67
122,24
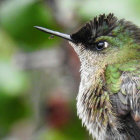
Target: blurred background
x,y
39,75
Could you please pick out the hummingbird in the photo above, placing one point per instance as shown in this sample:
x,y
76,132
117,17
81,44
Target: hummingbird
x,y
108,101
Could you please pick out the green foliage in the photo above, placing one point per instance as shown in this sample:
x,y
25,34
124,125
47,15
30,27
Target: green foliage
x,y
128,9
11,110
7,46
12,81
53,134
13,85
18,19
74,130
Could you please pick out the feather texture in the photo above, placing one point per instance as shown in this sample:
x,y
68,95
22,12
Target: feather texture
x,y
127,104
108,102
99,26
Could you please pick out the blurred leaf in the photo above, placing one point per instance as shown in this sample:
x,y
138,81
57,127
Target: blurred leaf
x,y
53,134
11,110
12,81
7,46
19,17
74,130
127,9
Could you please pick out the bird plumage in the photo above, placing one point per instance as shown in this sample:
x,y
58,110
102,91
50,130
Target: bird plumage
x,y
108,102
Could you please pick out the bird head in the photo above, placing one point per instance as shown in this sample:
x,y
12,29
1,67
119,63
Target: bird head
x,y
103,41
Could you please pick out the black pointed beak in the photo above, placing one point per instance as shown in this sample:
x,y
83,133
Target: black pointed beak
x,y
62,35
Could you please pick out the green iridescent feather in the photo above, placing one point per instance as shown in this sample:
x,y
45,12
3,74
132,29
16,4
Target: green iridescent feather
x,y
113,73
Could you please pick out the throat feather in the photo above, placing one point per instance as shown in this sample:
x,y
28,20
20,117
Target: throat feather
x,y
93,99
94,107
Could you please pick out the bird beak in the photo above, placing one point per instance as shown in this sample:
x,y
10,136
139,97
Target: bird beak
x,y
62,35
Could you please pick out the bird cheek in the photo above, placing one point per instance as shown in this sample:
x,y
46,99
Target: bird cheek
x,y
79,48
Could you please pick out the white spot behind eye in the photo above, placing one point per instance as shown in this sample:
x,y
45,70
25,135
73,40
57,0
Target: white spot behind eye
x,y
105,44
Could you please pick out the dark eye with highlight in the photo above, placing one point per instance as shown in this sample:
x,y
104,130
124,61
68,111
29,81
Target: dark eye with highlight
x,y
101,45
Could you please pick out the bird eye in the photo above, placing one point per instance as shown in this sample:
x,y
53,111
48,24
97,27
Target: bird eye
x,y
101,45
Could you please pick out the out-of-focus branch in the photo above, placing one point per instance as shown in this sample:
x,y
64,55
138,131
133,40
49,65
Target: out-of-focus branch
x,y
49,59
